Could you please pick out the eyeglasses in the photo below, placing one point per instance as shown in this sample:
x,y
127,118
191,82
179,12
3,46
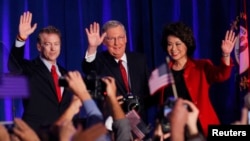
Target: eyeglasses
x,y
113,39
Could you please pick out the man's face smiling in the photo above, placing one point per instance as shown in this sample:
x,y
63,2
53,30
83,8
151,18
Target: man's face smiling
x,y
49,47
115,41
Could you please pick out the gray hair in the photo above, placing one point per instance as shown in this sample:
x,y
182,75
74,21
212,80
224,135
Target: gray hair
x,y
111,24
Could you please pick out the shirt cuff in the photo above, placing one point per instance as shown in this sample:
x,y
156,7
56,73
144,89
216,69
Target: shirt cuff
x,y
90,58
91,108
19,44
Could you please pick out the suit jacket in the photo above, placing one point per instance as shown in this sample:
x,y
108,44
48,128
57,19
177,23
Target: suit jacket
x,y
105,65
41,108
198,76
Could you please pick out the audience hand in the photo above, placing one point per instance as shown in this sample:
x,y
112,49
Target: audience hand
x,y
120,99
184,113
110,86
117,112
159,135
66,130
75,105
71,111
77,85
192,118
13,137
23,131
4,135
179,113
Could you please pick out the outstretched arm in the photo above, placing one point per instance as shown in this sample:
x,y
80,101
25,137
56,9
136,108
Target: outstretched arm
x,y
16,57
121,126
116,110
70,112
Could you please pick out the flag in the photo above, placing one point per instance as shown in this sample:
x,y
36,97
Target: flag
x,y
242,51
243,54
13,86
159,78
139,128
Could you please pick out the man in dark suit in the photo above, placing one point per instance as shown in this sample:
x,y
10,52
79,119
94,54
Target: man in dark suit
x,y
106,63
47,100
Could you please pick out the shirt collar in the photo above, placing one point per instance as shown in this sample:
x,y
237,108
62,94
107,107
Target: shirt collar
x,y
123,58
48,64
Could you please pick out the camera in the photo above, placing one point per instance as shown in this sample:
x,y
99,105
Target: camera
x,y
94,85
131,102
62,82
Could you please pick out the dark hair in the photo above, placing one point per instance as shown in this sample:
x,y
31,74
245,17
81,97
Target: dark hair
x,y
49,29
181,31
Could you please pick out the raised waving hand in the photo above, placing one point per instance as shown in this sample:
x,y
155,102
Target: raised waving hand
x,y
25,28
94,37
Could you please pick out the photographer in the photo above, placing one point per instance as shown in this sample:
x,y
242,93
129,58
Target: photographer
x,y
83,98
183,123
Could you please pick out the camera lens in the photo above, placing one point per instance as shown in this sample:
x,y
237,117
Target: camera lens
x,y
133,105
131,102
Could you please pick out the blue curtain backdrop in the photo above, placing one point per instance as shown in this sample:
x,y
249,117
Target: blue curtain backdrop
x,y
144,20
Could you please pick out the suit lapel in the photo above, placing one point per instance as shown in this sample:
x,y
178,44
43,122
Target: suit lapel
x,y
113,69
46,75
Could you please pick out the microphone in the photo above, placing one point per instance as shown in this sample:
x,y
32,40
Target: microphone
x,y
247,105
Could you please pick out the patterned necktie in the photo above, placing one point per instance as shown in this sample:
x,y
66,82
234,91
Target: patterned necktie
x,y
55,79
124,75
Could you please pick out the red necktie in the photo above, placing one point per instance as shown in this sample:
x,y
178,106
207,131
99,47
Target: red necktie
x,y
124,75
55,79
